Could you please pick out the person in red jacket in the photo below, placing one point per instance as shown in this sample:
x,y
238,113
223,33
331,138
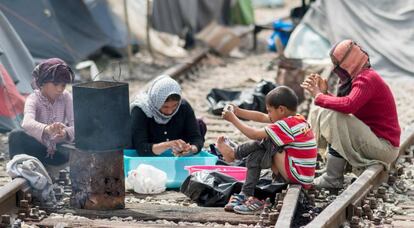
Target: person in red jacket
x,y
360,124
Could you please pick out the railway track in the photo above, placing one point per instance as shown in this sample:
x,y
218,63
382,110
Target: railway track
x,y
351,205
11,193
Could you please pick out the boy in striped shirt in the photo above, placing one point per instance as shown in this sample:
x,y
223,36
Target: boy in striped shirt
x,y
287,146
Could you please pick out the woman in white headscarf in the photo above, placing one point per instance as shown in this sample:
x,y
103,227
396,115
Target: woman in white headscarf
x,y
162,120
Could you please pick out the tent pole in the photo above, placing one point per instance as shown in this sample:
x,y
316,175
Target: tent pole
x,y
148,28
129,48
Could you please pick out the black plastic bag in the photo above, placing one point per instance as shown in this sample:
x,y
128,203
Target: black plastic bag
x,y
213,189
210,188
251,99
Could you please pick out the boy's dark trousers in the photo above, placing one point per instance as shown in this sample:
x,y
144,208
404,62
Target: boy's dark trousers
x,y
259,156
22,143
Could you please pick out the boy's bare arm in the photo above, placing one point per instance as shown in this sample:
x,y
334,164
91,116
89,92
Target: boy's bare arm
x,y
251,115
250,132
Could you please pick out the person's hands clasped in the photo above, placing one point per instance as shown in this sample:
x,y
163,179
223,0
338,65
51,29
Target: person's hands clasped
x,y
180,147
315,84
56,130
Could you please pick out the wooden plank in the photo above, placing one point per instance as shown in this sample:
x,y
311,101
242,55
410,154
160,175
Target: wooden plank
x,y
335,213
176,213
84,222
289,207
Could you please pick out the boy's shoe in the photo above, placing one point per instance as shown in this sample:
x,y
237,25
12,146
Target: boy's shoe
x,y
235,200
250,207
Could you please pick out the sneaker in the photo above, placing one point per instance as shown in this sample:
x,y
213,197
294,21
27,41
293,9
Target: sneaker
x,y
235,200
250,207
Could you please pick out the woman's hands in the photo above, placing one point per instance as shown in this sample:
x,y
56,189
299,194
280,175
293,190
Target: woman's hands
x,y
181,148
56,130
315,84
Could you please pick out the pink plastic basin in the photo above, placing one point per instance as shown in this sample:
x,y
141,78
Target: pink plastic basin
x,y
239,173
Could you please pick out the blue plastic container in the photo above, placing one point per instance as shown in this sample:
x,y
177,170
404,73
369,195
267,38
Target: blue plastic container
x,y
167,162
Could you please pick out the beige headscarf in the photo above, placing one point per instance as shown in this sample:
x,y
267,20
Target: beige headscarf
x,y
350,57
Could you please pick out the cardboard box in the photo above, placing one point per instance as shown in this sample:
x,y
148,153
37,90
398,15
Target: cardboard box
x,y
221,39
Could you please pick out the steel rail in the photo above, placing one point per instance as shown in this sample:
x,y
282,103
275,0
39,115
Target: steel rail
x,y
181,68
335,214
9,194
289,206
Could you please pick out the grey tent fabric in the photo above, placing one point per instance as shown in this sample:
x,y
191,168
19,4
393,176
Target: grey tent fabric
x,y
384,28
177,16
113,27
15,57
63,29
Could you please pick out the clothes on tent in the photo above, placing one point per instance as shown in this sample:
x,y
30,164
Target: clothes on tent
x,y
11,103
63,29
31,169
374,28
15,57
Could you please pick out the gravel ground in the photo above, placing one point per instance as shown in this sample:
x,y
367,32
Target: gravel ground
x,y
233,73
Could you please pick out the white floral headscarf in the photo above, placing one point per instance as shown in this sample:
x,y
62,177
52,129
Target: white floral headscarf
x,y
152,100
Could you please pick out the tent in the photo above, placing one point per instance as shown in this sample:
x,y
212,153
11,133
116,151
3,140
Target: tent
x,y
383,28
113,27
161,43
11,103
181,16
15,57
63,29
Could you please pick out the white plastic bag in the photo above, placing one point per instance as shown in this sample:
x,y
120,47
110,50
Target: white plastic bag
x,y
146,179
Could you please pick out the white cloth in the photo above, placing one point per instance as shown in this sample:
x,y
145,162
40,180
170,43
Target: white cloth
x,y
30,168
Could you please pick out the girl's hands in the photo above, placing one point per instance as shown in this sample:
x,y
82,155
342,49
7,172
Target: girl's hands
x,y
56,130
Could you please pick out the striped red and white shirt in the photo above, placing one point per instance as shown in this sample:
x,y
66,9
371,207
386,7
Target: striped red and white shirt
x,y
294,134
